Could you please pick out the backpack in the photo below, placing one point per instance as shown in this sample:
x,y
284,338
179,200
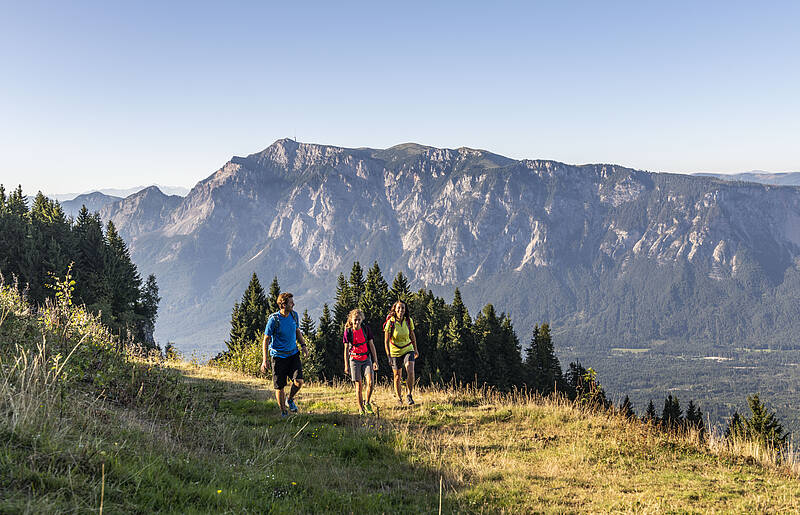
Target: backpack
x,y
277,318
349,335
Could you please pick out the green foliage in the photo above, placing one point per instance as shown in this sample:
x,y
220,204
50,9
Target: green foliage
x,y
38,242
762,426
671,416
249,317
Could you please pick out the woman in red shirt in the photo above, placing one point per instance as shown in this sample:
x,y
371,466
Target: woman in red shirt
x,y
360,359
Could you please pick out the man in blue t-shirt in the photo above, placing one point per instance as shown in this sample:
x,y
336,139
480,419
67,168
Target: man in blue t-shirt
x,y
280,337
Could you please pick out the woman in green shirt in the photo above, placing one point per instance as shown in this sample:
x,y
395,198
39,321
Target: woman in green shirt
x,y
401,347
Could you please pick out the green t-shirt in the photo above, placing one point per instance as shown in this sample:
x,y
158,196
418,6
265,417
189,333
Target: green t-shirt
x,y
401,337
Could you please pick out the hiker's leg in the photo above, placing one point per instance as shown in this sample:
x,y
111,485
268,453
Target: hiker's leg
x,y
398,375
296,385
280,397
359,395
368,375
410,376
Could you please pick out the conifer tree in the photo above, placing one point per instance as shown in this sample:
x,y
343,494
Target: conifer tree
x,y
312,364
89,269
375,300
121,279
575,379
343,303
357,283
650,414
762,426
543,370
510,349
272,299
329,342
626,410
671,416
736,428
249,317
694,418
147,309
491,365
459,359
400,289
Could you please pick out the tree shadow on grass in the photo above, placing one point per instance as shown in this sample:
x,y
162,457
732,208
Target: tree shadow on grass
x,y
335,461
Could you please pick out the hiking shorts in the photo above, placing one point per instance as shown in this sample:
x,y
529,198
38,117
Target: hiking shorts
x,y
360,369
402,361
283,368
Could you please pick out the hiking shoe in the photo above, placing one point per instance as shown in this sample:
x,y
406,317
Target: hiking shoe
x,y
368,408
292,406
284,413
409,399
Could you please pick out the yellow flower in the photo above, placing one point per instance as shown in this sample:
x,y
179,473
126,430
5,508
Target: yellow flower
x,y
294,484
219,491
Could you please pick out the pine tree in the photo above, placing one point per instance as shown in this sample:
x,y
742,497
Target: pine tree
x,y
357,283
736,428
650,414
671,416
249,317
491,365
312,364
147,309
575,380
459,353
626,410
375,300
272,299
543,370
510,349
122,281
400,289
694,418
763,426
343,303
329,342
89,269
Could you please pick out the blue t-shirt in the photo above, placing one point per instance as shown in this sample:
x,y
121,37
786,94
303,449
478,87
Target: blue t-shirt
x,y
283,335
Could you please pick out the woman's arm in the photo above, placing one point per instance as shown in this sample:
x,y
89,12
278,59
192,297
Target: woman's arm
x,y
413,342
346,360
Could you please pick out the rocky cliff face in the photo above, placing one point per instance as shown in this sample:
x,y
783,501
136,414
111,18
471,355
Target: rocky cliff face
x,y
602,251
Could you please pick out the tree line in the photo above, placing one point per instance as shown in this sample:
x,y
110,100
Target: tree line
x,y
454,347
40,242
457,349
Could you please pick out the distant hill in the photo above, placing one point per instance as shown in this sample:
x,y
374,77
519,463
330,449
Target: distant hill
x,y
120,192
777,179
93,202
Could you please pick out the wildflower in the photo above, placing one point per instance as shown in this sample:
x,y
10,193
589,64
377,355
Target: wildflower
x,y
219,491
294,484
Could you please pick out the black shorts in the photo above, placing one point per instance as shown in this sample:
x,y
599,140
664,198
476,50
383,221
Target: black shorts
x,y
283,368
401,361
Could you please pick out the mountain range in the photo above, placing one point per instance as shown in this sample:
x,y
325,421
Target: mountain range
x,y
620,262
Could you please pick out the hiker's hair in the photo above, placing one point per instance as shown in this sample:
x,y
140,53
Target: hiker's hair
x,y
406,316
283,298
350,317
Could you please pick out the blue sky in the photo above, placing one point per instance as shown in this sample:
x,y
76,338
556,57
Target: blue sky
x,y
113,94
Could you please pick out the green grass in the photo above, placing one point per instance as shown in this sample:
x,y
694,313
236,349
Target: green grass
x,y
227,450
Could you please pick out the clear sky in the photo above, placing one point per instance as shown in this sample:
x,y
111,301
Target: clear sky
x,y
117,94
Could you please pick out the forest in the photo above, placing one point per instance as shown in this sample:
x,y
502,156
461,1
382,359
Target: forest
x,y
39,242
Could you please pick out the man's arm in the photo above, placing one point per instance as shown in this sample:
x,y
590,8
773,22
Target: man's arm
x,y
264,345
302,341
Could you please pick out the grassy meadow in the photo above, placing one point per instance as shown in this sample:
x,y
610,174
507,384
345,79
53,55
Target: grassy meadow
x,y
92,425
466,450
